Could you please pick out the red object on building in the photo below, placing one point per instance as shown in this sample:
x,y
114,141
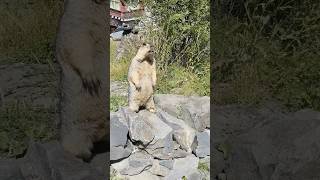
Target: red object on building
x,y
120,13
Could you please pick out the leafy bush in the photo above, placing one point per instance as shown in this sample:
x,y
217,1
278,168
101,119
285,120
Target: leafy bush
x,y
181,32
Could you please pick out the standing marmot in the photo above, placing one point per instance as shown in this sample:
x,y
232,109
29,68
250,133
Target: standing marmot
x,y
81,50
142,79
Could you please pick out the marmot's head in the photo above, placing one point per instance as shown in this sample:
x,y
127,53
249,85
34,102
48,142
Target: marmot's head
x,y
145,52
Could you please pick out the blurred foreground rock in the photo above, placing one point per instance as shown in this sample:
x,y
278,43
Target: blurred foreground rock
x,y
265,143
49,161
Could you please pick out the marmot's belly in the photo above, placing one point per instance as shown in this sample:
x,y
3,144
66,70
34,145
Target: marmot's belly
x,y
146,90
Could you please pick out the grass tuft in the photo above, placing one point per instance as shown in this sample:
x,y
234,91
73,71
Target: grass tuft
x,y
27,31
19,123
117,102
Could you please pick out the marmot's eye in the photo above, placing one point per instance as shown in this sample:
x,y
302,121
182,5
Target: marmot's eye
x,y
144,44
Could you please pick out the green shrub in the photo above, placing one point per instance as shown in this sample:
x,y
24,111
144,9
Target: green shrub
x,y
181,32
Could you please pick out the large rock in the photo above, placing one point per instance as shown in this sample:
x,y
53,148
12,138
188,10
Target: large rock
x,y
194,110
170,103
160,129
268,144
201,144
158,169
137,162
120,147
140,130
184,167
182,133
66,167
10,170
120,152
36,163
154,135
101,162
145,175
48,161
166,163
118,130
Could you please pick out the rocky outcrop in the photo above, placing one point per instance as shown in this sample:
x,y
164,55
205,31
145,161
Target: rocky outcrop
x,y
166,145
265,144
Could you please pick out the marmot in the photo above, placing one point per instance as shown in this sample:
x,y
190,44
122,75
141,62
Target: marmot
x,y
81,50
142,79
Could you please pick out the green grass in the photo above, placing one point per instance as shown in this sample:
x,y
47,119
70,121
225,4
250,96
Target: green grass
x,y
113,175
202,166
27,30
19,123
204,169
117,102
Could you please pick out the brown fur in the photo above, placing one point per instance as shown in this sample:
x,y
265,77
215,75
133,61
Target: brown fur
x,y
81,50
142,79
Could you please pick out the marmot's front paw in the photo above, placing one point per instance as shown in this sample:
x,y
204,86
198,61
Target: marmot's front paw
x,y
153,110
138,87
91,83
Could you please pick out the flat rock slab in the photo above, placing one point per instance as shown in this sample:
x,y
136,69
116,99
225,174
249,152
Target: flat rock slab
x,y
184,167
137,162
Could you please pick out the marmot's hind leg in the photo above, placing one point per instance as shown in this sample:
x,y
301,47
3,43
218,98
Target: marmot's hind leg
x,y
150,106
133,106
